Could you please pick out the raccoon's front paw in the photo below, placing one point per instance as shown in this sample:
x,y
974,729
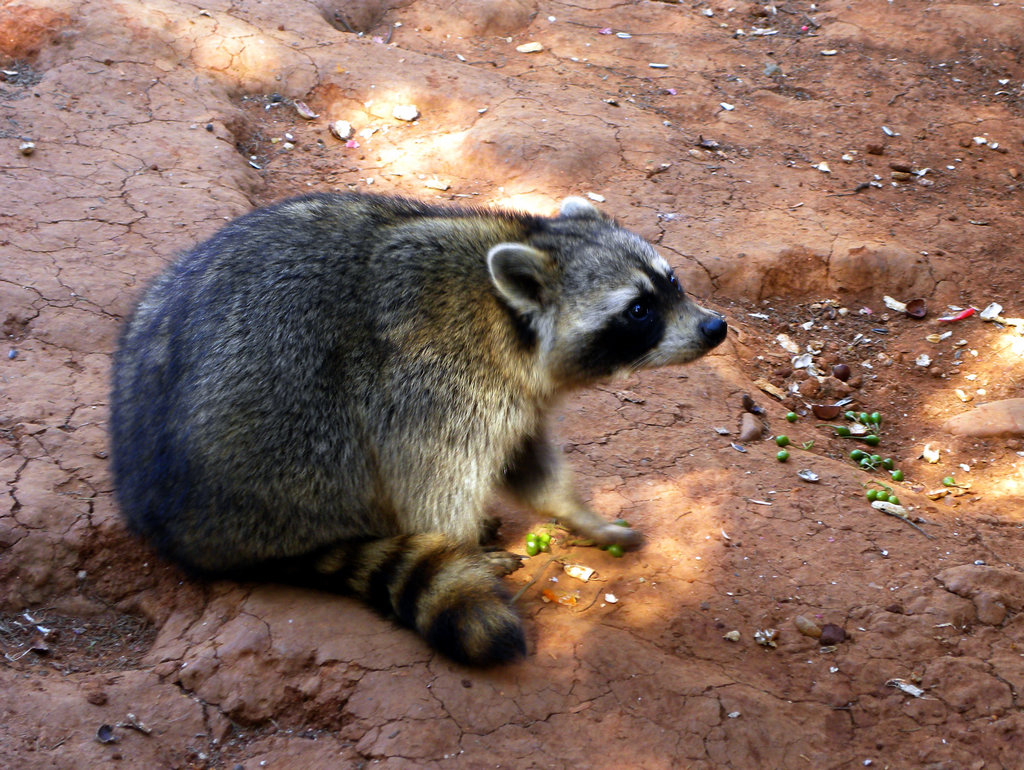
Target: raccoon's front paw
x,y
503,562
614,534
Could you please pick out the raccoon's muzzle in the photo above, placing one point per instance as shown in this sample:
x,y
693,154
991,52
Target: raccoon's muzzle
x,y
446,590
713,328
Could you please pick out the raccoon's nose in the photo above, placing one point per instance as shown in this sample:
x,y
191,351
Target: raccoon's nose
x,y
713,328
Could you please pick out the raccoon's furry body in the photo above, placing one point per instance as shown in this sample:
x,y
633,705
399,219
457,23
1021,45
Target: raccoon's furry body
x,y
335,385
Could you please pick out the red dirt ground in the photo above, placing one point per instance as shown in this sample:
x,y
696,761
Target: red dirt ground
x,y
154,122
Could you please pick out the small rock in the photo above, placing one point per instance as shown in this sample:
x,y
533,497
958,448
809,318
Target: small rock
x,y
406,112
750,427
732,636
996,418
875,149
832,634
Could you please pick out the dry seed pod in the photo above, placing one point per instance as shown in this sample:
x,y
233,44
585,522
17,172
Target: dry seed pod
x,y
807,627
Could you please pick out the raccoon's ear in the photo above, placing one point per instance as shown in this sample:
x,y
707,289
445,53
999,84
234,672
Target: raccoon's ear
x,y
522,275
579,208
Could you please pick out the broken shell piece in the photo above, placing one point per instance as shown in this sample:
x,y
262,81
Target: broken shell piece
x,y
965,397
578,571
894,304
437,184
611,598
923,360
930,454
905,686
340,129
788,345
305,111
806,626
105,734
803,361
991,312
529,48
826,411
406,112
766,637
823,168
916,308
935,338
732,636
27,148
808,475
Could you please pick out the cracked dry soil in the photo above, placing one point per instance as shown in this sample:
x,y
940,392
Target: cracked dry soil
x,y
154,122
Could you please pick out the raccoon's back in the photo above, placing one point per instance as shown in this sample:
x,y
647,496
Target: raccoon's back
x,y
261,375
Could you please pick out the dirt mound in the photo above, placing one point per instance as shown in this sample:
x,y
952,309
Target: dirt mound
x,y
796,163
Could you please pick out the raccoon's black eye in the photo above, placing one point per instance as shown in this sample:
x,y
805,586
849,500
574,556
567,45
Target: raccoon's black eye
x,y
638,311
675,282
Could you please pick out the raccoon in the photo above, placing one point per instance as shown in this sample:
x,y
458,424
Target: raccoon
x,y
329,390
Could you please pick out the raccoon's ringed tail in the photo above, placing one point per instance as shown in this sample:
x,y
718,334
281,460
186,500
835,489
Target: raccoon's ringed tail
x,y
445,590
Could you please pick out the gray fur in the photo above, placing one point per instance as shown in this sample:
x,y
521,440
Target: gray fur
x,y
337,368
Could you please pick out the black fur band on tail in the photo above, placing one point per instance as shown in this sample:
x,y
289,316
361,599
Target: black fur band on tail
x,y
447,591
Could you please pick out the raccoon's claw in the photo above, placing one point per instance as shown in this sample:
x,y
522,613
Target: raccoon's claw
x,y
503,562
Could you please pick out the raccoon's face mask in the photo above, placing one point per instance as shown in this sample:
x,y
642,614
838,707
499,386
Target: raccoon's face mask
x,y
600,299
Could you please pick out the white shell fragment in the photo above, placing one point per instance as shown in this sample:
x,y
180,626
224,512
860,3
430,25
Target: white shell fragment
x,y
894,304
766,637
596,197
611,598
905,686
939,337
930,454
787,344
437,184
808,475
406,112
27,148
305,111
731,636
823,168
341,129
529,48
578,571
726,106
923,360
991,312
829,52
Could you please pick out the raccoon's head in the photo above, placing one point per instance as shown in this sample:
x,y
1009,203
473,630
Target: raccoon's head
x,y
599,298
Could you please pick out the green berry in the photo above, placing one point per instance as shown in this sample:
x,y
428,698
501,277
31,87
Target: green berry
x,y
620,523
616,550
857,455
893,499
864,418
888,464
897,475
871,440
949,481
850,415
782,440
532,547
875,418
871,494
842,431
792,416
782,456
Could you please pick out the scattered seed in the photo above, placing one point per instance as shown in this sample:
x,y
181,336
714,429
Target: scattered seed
x,y
806,626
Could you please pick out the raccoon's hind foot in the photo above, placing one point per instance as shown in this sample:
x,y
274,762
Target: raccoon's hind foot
x,y
449,592
503,562
588,524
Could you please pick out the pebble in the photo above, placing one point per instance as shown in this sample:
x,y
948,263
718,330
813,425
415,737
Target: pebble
x,y
996,418
406,112
750,427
